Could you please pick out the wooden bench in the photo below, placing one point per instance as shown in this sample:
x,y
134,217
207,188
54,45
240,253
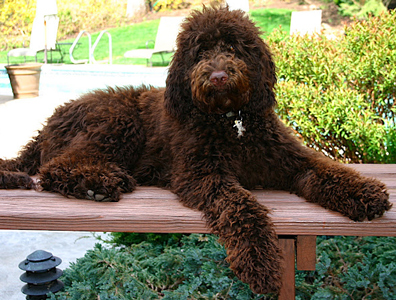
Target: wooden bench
x,y
151,209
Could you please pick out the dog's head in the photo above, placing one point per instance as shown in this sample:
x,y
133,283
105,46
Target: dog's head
x,y
221,65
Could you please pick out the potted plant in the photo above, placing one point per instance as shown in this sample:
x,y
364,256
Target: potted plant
x,y
25,79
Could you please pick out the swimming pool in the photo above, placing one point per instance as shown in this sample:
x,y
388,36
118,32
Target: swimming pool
x,y
78,79
21,118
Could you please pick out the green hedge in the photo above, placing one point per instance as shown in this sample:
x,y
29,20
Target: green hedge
x,y
338,95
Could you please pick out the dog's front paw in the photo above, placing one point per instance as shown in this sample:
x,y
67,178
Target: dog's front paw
x,y
99,182
260,266
370,201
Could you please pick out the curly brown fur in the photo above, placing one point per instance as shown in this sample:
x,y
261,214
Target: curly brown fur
x,y
185,137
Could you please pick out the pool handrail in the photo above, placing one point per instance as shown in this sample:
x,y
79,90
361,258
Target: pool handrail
x,y
81,61
110,47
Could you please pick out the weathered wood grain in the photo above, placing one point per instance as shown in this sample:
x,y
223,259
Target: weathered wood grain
x,y
151,209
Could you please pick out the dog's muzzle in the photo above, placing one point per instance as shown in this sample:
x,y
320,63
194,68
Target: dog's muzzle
x,y
220,85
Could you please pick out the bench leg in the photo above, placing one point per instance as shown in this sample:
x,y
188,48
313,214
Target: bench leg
x,y
288,290
301,249
306,252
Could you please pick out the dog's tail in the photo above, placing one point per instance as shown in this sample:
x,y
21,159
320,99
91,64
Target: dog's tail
x,y
16,172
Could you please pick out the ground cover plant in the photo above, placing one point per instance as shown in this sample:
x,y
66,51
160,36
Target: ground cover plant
x,y
340,95
166,266
351,268
193,267
190,267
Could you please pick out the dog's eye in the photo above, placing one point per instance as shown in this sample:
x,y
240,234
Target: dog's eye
x,y
201,52
231,48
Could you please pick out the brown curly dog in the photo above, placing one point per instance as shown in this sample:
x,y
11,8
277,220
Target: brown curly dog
x,y
209,136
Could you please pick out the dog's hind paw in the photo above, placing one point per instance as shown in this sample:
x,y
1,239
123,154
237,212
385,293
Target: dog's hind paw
x,y
91,195
16,180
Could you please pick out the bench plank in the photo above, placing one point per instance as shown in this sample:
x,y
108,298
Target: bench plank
x,y
150,209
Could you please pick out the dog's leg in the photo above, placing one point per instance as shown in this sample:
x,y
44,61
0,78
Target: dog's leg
x,y
14,173
340,188
15,180
85,175
11,176
242,224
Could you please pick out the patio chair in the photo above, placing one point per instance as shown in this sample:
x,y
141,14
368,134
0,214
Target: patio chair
x,y
42,34
165,41
306,22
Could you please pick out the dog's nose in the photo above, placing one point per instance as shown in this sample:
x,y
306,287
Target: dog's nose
x,y
218,78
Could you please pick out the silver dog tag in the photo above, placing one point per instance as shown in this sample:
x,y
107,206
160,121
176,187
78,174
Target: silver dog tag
x,y
239,127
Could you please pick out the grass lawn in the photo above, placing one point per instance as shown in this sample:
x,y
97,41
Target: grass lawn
x,y
135,36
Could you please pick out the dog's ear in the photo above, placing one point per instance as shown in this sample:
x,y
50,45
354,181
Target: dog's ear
x,y
178,97
263,94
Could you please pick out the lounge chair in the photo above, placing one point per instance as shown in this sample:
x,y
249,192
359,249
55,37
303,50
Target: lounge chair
x,y
165,41
41,35
306,22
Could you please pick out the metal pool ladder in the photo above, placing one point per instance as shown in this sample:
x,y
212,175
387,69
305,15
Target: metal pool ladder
x,y
91,49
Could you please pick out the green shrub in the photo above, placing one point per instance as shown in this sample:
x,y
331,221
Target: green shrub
x,y
16,19
360,9
89,15
161,5
338,95
16,22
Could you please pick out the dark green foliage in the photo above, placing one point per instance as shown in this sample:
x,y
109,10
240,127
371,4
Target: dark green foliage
x,y
351,268
193,269
347,268
130,238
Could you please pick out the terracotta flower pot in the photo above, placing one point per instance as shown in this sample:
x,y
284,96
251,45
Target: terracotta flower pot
x,y
25,79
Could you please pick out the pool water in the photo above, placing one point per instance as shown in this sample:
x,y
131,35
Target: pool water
x,y
78,79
